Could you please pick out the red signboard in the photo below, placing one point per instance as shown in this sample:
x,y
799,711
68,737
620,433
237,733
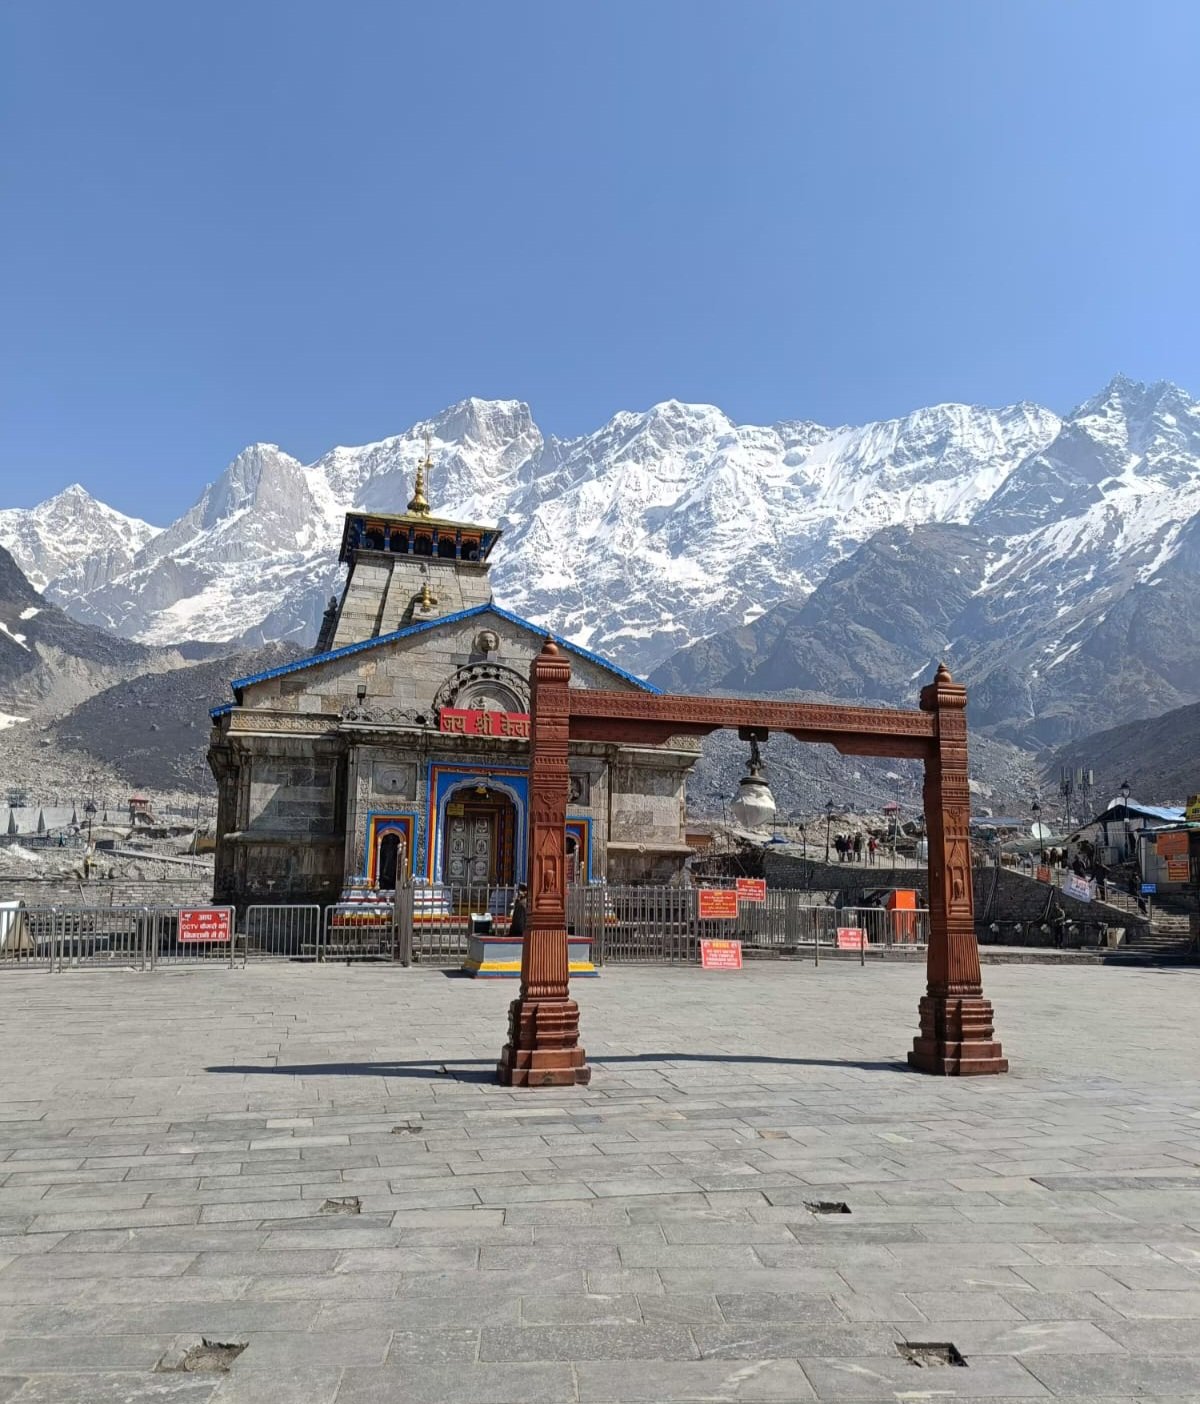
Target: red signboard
x,y
1172,845
205,924
751,889
459,721
1178,870
721,955
851,938
718,904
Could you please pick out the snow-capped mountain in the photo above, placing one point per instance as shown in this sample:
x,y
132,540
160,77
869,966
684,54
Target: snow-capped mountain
x,y
1068,599
676,528
72,530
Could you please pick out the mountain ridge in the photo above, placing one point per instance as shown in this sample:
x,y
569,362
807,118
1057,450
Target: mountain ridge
x,y
668,531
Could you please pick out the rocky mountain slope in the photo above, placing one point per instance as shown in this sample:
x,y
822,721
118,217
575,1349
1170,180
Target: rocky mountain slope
x,y
1049,559
153,730
1159,757
49,662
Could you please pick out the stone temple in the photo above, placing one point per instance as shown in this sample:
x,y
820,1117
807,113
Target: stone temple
x,y
399,750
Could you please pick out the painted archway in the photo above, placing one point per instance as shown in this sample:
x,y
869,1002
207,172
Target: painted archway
x,y
455,785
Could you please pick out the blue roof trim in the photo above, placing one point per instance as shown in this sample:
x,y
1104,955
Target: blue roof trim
x,y
220,711
413,629
576,649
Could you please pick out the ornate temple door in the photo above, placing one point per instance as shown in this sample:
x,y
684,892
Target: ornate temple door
x,y
479,842
470,848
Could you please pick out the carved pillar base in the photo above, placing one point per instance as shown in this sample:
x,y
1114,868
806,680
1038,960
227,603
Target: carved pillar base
x,y
543,1045
956,1038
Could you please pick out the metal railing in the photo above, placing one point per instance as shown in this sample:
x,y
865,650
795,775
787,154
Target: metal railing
x,y
55,939
352,931
291,933
432,925
900,928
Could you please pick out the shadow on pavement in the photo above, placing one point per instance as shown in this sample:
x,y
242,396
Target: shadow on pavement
x,y
483,1069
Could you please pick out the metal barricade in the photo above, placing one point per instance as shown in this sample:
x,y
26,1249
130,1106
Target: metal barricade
x,y
28,938
283,932
434,921
169,940
352,931
640,925
899,929
784,921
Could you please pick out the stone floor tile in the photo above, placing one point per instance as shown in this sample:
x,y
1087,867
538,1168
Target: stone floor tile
x,y
98,1265
1153,1304
409,1314
1061,1306
434,1347
719,1381
344,1346
680,1308
1163,1336
457,1383
1021,1338
278,1383
1119,1374
890,1378
965,1306
51,1353
126,1387
582,1308
639,1342
877,1306
767,1340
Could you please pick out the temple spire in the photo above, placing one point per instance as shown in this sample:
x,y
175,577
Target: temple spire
x,y
418,504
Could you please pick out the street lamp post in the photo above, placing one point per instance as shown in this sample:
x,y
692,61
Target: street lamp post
x,y
1125,792
1037,829
828,821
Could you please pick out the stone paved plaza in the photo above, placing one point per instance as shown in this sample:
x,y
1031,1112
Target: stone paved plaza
x,y
173,1144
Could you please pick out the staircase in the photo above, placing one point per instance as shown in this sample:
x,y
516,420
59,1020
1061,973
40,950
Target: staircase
x,y
1170,937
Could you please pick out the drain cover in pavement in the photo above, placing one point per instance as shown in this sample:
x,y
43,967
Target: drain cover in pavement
x,y
827,1206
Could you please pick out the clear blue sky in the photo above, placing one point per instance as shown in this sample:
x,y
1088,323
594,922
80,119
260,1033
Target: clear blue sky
x,y
313,223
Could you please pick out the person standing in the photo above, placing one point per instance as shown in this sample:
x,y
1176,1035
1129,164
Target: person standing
x,y
858,847
872,847
518,917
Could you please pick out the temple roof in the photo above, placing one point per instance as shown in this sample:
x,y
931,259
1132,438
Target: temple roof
x,y
427,626
488,535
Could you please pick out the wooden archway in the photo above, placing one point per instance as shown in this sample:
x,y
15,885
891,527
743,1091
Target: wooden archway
x,y
955,1035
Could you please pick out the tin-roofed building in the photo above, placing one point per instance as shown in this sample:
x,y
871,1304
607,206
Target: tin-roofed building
x,y
399,749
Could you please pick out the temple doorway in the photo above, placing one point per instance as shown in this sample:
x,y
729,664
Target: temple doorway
x,y
479,841
390,860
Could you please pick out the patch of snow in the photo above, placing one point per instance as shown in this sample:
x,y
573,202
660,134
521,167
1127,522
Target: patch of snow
x,y
29,611
16,638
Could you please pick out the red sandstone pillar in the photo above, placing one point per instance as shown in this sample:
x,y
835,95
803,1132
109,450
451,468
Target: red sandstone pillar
x,y
956,1037
543,1021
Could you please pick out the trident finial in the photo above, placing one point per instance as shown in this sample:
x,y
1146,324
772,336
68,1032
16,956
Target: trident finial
x,y
419,503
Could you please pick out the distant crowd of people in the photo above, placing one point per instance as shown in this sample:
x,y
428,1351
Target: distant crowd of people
x,y
851,847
